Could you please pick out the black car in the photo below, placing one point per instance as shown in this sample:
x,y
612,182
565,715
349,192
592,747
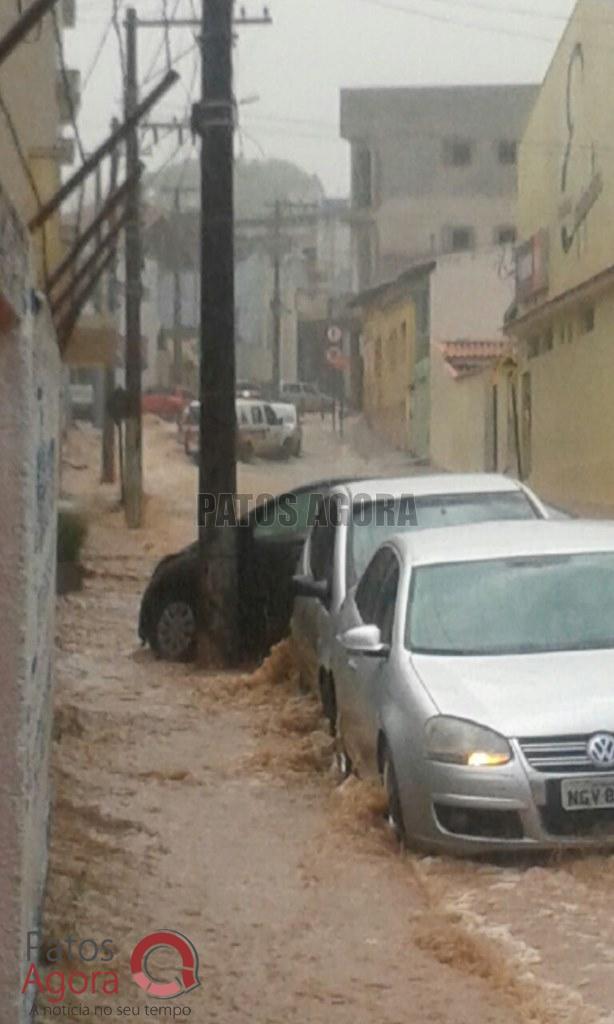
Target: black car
x,y
270,538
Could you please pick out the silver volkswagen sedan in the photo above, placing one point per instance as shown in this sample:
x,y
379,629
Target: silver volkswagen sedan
x,y
474,674
355,518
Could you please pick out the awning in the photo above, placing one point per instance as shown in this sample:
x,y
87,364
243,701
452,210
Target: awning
x,y
94,342
584,292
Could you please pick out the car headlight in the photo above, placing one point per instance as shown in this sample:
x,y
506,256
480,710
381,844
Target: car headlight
x,y
455,741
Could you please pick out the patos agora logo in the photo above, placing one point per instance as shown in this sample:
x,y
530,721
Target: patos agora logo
x,y
143,974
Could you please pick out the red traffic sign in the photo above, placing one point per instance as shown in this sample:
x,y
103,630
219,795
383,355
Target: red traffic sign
x,y
336,359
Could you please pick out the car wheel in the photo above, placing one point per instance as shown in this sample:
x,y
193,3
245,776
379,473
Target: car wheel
x,y
286,449
343,761
175,632
395,813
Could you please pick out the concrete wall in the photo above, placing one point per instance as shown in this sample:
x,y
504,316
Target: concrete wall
x,y
461,409
470,293
30,375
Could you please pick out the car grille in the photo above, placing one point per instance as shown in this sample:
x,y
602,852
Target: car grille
x,y
558,754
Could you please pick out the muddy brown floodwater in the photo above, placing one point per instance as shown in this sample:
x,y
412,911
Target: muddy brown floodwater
x,y
207,803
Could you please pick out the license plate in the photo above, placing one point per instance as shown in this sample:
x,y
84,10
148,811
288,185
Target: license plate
x,y
587,794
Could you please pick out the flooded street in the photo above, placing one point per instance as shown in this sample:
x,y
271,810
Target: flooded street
x,y
207,803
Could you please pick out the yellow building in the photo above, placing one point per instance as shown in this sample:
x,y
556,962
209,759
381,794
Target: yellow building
x,y
33,109
563,317
393,347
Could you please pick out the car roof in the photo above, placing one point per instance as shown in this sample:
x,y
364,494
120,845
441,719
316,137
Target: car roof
x,y
285,406
505,539
430,484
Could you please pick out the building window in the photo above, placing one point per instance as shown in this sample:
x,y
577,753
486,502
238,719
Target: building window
x,y
533,346
508,152
587,319
460,239
362,177
548,340
457,152
506,234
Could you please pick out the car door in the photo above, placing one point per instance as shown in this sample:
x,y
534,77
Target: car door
x,y
376,598
259,429
323,555
270,548
274,431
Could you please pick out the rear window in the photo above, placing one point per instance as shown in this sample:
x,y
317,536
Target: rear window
x,y
377,521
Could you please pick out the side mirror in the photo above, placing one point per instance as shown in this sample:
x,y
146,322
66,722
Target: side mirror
x,y
366,640
306,586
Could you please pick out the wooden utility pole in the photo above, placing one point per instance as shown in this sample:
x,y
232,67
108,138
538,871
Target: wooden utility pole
x,y
276,304
107,475
213,120
177,343
134,442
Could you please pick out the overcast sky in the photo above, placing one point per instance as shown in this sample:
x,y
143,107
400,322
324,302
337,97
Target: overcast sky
x,y
296,67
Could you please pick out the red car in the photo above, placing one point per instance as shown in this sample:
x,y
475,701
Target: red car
x,y
168,403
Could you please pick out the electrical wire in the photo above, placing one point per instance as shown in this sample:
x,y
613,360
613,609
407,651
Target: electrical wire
x,y
99,49
157,74
277,125
117,4
417,12
150,73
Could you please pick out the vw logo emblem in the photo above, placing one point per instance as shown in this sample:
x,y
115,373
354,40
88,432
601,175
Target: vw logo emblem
x,y
600,749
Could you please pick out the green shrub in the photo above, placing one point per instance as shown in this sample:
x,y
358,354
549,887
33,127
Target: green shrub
x,y
72,531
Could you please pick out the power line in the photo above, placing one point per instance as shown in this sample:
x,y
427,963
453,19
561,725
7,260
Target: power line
x,y
277,123
94,64
417,12
164,41
120,39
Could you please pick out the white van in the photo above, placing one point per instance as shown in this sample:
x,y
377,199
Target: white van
x,y
260,430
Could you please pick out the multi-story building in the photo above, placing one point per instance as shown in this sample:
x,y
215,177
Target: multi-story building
x,y
433,170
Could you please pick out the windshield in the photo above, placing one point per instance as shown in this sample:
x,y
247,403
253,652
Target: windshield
x,y
513,606
374,522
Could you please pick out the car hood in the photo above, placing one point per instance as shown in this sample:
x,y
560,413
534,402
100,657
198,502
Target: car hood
x,y
525,695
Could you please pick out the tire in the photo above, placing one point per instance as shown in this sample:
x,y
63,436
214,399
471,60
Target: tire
x,y
174,634
286,448
343,761
395,812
